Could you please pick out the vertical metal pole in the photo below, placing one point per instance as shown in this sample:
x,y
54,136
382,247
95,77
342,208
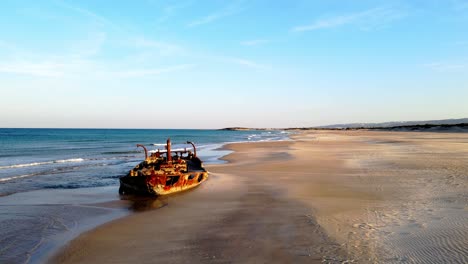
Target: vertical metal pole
x,y
169,156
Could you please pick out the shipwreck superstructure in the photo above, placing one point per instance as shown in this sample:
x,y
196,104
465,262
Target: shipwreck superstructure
x,y
164,172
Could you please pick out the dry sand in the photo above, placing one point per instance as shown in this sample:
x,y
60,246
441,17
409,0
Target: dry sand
x,y
325,196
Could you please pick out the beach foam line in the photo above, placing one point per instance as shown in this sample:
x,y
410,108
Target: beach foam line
x,y
41,163
16,177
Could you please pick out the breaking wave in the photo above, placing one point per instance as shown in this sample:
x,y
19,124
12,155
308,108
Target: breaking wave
x,y
15,177
121,152
75,185
41,163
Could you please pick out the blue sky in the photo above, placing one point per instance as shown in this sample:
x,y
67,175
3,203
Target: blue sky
x,y
212,64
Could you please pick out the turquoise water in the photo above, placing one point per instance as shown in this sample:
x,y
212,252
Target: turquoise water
x,y
32,159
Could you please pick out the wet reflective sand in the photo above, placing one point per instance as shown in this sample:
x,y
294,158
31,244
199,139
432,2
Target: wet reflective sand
x,y
33,225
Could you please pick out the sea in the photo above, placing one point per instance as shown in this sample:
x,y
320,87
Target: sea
x,y
34,159
58,183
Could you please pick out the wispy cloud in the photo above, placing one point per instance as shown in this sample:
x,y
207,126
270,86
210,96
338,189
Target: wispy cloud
x,y
10,47
36,69
152,72
96,17
446,67
367,19
89,46
170,10
162,48
39,64
36,63
80,68
225,12
79,63
254,42
248,63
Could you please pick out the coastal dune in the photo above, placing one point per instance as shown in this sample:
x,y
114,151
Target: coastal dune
x,y
324,196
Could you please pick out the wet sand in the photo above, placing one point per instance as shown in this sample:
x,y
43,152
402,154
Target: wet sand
x,y
325,196
35,224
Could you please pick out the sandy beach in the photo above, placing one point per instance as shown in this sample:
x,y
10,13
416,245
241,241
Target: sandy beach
x,y
165,131
324,196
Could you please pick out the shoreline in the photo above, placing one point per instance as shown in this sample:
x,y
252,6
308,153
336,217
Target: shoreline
x,y
67,213
223,186
55,217
323,196
37,223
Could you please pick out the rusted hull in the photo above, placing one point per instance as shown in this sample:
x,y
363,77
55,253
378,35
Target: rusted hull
x,y
165,172
161,184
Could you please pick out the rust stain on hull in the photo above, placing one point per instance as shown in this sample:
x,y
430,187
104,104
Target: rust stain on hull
x,y
165,172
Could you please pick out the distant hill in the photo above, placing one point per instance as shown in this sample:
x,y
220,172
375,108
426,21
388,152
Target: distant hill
x,y
399,123
236,128
447,125
462,127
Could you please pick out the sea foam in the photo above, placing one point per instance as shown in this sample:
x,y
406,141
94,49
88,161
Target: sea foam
x,y
15,177
41,163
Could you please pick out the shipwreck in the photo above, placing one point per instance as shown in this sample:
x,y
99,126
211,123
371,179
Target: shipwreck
x,y
164,172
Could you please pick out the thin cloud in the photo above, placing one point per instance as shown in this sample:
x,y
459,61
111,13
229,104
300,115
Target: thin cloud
x,y
163,48
100,19
6,45
170,10
89,46
248,63
254,42
153,72
227,11
68,68
446,67
39,64
40,69
367,19
76,63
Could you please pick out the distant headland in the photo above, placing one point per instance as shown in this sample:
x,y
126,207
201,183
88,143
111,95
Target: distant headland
x,y
444,125
245,129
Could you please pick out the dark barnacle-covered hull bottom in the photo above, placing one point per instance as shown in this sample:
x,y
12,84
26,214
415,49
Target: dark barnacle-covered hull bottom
x,y
162,173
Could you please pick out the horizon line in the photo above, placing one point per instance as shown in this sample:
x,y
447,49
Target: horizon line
x,y
246,127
